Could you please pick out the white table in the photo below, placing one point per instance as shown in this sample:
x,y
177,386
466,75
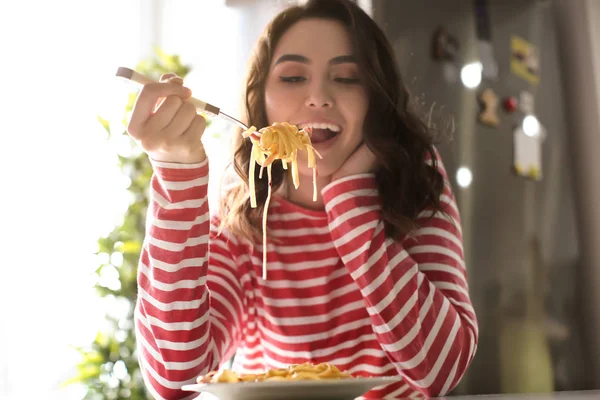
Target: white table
x,y
583,395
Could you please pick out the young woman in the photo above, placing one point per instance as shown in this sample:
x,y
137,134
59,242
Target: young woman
x,y
369,277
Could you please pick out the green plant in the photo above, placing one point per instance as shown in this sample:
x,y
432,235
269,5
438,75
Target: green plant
x,y
109,366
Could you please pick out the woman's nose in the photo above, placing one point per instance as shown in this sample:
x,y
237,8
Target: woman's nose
x,y
319,96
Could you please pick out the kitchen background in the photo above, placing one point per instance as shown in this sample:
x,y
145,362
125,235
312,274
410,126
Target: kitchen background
x,y
530,229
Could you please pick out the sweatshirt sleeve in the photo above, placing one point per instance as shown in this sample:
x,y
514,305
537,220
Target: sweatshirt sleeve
x,y
189,310
415,290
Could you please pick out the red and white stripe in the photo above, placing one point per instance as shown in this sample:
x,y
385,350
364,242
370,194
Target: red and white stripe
x,y
338,290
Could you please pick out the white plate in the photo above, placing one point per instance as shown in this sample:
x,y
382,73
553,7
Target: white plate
x,y
342,389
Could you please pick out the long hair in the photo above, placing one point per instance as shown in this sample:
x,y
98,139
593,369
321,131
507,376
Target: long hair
x,y
394,132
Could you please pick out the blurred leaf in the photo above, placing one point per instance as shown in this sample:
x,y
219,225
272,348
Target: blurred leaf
x,y
130,247
104,124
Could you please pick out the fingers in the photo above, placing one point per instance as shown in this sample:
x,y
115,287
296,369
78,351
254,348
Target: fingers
x,y
166,77
166,124
185,141
164,115
361,161
181,121
171,78
147,99
170,122
365,155
194,132
175,119
191,139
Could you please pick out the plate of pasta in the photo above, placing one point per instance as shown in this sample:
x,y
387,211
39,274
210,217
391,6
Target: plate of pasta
x,y
298,381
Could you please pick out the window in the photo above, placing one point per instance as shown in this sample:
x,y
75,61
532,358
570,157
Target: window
x,y
60,187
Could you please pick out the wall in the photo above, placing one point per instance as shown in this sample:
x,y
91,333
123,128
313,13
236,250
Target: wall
x,y
529,320
579,36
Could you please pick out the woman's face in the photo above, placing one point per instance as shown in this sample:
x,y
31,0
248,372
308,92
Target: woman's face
x,y
314,81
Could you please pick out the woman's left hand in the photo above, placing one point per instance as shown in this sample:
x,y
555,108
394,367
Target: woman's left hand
x,y
361,161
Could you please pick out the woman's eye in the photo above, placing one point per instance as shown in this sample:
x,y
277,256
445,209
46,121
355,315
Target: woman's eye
x,y
347,80
292,79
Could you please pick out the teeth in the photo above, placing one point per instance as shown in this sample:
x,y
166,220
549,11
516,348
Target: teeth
x,y
318,125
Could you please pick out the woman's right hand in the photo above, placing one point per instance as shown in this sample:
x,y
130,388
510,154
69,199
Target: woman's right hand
x,y
165,124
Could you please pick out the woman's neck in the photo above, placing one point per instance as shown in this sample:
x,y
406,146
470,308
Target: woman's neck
x,y
303,196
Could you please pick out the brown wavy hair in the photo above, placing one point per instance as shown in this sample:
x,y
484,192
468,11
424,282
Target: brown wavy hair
x,y
393,131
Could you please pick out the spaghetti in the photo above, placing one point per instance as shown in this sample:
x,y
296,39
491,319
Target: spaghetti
x,y
295,372
280,141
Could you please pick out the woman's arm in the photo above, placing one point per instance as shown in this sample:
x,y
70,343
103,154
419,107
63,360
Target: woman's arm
x,y
415,291
189,311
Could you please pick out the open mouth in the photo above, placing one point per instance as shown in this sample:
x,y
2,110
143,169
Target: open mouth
x,y
322,135
322,132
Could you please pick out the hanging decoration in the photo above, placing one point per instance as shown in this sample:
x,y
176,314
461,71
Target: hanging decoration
x,y
526,102
527,154
510,104
484,36
488,101
445,47
524,60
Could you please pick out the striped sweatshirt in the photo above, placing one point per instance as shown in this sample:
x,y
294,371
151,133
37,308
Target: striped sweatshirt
x,y
337,290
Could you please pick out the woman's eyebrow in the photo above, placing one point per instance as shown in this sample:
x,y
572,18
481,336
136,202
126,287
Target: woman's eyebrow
x,y
305,60
292,57
343,59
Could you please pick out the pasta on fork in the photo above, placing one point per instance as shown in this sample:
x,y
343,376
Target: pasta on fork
x,y
280,141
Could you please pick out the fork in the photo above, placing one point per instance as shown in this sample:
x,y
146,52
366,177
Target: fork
x,y
201,106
